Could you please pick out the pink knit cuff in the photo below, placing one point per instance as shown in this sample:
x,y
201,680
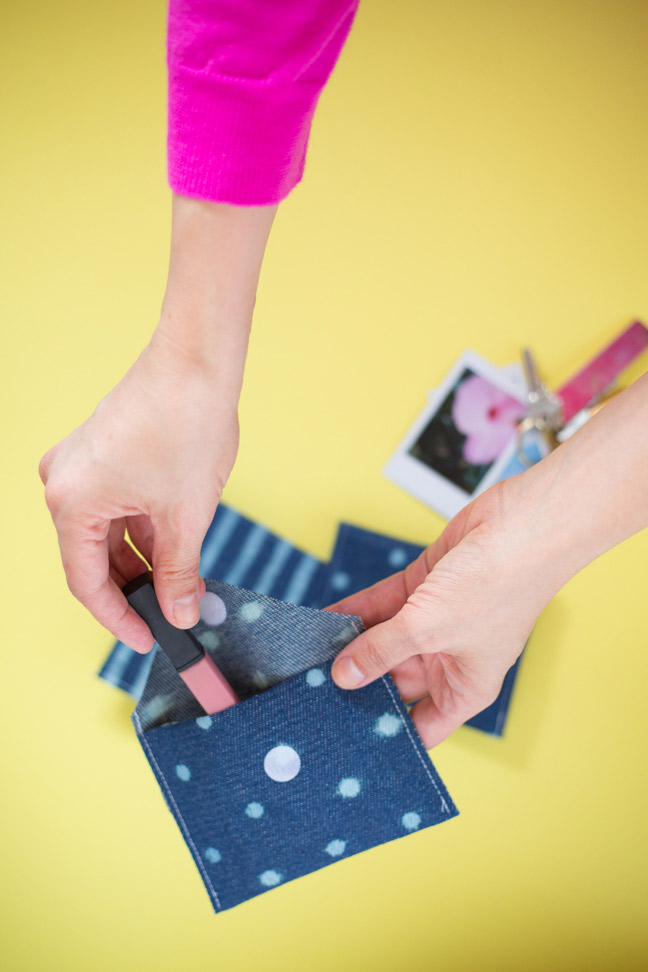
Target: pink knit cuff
x,y
236,140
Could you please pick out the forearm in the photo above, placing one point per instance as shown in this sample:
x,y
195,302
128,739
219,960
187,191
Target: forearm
x,y
587,496
215,261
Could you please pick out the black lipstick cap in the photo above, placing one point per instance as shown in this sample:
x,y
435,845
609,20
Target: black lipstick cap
x,y
181,646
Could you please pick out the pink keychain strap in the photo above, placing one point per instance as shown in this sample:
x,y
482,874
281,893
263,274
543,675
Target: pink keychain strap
x,y
590,381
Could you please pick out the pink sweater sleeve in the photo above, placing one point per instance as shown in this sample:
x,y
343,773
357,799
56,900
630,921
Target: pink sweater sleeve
x,y
244,80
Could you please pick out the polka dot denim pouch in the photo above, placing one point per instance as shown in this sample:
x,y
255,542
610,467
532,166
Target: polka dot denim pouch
x,y
298,775
238,550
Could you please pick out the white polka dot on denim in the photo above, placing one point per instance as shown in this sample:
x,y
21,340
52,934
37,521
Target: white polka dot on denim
x,y
348,787
269,879
212,609
411,821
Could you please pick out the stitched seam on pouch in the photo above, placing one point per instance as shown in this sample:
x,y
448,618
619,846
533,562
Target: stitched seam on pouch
x,y
183,825
434,783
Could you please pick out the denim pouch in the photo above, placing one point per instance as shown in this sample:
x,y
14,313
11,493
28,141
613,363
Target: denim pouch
x,y
239,551
300,773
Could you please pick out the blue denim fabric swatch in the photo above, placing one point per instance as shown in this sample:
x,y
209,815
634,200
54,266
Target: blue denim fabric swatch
x,y
238,551
296,776
362,558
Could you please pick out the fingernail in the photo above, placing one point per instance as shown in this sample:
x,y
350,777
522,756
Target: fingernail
x,y
186,611
347,674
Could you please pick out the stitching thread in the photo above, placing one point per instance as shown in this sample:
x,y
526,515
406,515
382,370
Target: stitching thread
x,y
185,829
444,805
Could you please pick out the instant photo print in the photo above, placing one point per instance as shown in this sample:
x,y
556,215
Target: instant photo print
x,y
464,440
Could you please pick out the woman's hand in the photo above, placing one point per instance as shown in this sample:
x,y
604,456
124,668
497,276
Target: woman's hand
x,y
151,460
451,625
154,457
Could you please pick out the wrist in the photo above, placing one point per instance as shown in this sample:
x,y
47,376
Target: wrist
x,y
585,497
202,347
541,549
185,372
215,261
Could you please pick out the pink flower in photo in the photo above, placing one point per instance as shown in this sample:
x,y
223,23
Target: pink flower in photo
x,y
487,416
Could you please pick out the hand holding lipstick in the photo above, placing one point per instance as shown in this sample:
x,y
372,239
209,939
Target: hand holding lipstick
x,y
154,457
151,460
188,657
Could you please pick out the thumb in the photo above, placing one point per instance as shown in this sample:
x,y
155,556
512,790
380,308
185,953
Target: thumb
x,y
176,559
379,649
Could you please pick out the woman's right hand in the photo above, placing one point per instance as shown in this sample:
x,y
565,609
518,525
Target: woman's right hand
x,y
152,460
156,453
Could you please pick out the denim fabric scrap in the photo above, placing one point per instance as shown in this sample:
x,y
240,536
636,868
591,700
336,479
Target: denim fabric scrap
x,y
362,558
296,776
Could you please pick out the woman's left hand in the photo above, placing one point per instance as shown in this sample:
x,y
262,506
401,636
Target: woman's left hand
x,y
451,624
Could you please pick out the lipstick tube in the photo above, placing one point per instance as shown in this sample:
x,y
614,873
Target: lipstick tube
x,y
182,648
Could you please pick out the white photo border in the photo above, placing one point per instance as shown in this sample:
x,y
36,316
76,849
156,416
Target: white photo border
x,y
424,483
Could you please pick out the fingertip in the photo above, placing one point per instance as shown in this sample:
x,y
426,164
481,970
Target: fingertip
x,y
346,674
136,633
178,594
185,611
141,647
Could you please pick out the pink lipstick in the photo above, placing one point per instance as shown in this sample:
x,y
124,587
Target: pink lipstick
x,y
182,648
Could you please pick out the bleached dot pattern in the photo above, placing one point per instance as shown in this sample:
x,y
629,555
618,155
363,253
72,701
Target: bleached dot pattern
x,y
315,677
270,879
388,725
335,848
213,855
340,580
254,810
204,722
260,679
411,820
397,557
210,640
156,707
348,787
183,772
212,609
346,635
251,611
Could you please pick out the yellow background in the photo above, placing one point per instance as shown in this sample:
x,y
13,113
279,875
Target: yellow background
x,y
476,178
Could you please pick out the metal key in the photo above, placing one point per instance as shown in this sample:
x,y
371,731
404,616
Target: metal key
x,y
544,410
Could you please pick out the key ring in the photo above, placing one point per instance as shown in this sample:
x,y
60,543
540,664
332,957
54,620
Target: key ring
x,y
544,410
